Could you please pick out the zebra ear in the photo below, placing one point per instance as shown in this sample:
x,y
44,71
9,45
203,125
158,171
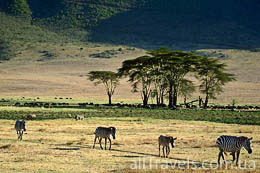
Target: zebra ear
x,y
174,138
250,139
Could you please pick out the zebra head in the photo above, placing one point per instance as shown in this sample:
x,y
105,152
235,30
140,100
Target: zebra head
x,y
23,126
172,141
247,145
113,132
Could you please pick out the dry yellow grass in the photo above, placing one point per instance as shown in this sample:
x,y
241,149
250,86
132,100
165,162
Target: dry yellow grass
x,y
65,75
66,145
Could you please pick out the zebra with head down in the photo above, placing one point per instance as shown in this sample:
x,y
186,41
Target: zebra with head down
x,y
165,141
20,127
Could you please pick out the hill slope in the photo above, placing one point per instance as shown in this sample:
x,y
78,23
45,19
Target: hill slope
x,y
182,24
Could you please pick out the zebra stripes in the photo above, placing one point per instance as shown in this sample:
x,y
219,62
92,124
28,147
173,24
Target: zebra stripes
x,y
79,117
104,132
20,127
233,145
165,141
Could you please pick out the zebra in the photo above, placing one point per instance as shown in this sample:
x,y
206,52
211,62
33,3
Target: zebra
x,y
79,117
233,144
31,117
165,141
20,127
104,132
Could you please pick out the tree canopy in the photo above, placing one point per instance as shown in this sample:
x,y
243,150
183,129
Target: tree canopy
x,y
163,71
212,76
139,74
108,78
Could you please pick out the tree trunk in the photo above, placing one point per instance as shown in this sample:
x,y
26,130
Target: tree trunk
x,y
206,102
200,101
109,99
157,99
170,96
145,98
175,98
145,101
162,99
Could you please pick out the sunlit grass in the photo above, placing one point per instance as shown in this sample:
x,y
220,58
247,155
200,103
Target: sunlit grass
x,y
220,116
66,145
42,109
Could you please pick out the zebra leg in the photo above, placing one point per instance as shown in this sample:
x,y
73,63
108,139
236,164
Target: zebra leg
x,y
94,142
19,135
105,143
100,139
168,151
234,157
159,150
163,151
222,154
237,157
22,135
109,143
219,155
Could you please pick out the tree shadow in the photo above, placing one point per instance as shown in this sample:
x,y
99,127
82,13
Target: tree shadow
x,y
185,161
172,161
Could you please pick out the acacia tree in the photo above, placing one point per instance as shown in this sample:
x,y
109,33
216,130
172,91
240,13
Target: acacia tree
x,y
138,71
159,82
175,65
213,77
162,71
108,78
186,89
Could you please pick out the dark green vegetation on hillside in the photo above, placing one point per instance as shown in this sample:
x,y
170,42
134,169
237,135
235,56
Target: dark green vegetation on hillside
x,y
186,24
17,34
250,118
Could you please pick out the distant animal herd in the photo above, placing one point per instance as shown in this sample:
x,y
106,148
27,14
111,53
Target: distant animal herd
x,y
149,106
231,144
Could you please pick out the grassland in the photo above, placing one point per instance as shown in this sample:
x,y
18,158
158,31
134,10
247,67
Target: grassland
x,y
33,74
221,116
65,145
49,57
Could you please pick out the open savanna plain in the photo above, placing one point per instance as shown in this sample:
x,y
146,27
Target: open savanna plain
x,y
60,70
56,143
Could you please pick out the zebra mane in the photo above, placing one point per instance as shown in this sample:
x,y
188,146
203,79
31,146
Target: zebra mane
x,y
243,138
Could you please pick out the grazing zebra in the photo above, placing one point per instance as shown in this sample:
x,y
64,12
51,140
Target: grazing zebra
x,y
233,144
104,132
31,117
20,127
79,117
165,141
